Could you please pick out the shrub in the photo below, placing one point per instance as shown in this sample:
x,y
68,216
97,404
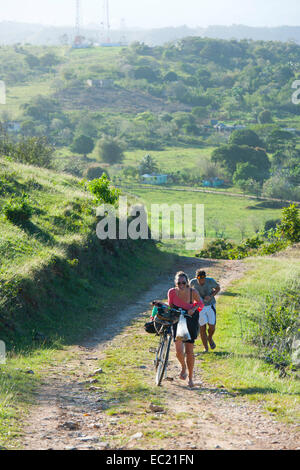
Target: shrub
x,y
216,249
33,151
289,228
102,191
18,210
93,171
110,151
271,224
276,322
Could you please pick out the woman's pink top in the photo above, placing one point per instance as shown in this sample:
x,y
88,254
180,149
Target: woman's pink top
x,y
173,299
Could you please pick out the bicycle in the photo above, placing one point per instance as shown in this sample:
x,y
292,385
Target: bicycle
x,y
163,322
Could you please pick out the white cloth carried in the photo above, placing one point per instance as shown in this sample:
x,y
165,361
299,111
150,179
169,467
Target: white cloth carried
x,y
207,315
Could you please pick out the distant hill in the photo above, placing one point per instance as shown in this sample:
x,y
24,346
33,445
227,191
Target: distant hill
x,y
11,33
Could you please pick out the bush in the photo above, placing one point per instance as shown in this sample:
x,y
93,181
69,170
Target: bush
x,y
93,171
33,151
110,151
101,189
289,228
276,323
216,249
18,210
271,224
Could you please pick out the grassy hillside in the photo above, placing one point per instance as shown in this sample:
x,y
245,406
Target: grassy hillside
x,y
55,274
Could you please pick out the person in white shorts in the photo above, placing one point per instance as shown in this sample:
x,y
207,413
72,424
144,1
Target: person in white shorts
x,y
207,288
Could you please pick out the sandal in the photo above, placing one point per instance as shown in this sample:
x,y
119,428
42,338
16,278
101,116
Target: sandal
x,y
212,344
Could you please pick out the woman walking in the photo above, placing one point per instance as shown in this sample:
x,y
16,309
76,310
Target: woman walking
x,y
187,298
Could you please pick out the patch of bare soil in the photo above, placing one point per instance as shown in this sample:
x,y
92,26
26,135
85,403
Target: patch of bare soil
x,y
116,99
68,415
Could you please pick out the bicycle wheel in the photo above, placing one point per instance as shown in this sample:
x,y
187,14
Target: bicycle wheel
x,y
163,356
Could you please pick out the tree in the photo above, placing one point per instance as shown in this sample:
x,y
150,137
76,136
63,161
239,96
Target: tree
x,y
83,145
171,77
146,73
110,151
279,138
40,108
245,137
230,155
148,165
265,117
245,171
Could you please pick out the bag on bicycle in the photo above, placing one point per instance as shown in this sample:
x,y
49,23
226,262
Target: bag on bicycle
x,y
149,327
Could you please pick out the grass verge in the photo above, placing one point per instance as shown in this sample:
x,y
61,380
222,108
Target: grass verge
x,y
237,363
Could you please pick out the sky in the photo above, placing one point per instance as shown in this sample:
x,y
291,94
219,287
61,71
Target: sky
x,y
156,13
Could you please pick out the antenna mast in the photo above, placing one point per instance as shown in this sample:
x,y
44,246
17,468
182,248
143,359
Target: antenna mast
x,y
106,19
78,15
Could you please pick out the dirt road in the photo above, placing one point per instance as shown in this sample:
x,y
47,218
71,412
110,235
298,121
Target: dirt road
x,y
68,416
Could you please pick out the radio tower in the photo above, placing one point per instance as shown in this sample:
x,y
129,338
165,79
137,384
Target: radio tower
x,y
106,22
78,37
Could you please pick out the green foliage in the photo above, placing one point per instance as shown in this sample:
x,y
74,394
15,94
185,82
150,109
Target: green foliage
x,y
18,209
83,145
245,137
244,171
216,249
110,151
33,151
102,190
265,117
93,171
230,155
289,228
148,165
275,325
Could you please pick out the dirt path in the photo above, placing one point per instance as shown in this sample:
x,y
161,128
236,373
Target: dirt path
x,y
68,416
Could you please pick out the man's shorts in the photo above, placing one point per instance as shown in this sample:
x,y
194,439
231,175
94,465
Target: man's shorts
x,y
208,315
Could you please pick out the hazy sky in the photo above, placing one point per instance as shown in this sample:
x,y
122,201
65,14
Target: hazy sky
x,y
156,13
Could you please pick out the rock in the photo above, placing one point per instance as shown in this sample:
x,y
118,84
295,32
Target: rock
x,y
103,445
156,408
138,435
88,439
70,426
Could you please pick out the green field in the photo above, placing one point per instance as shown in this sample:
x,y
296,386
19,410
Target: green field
x,y
227,214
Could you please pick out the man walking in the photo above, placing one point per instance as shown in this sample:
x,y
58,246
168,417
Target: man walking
x,y
207,288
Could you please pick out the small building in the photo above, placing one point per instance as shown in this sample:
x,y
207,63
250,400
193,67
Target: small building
x,y
213,183
155,179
